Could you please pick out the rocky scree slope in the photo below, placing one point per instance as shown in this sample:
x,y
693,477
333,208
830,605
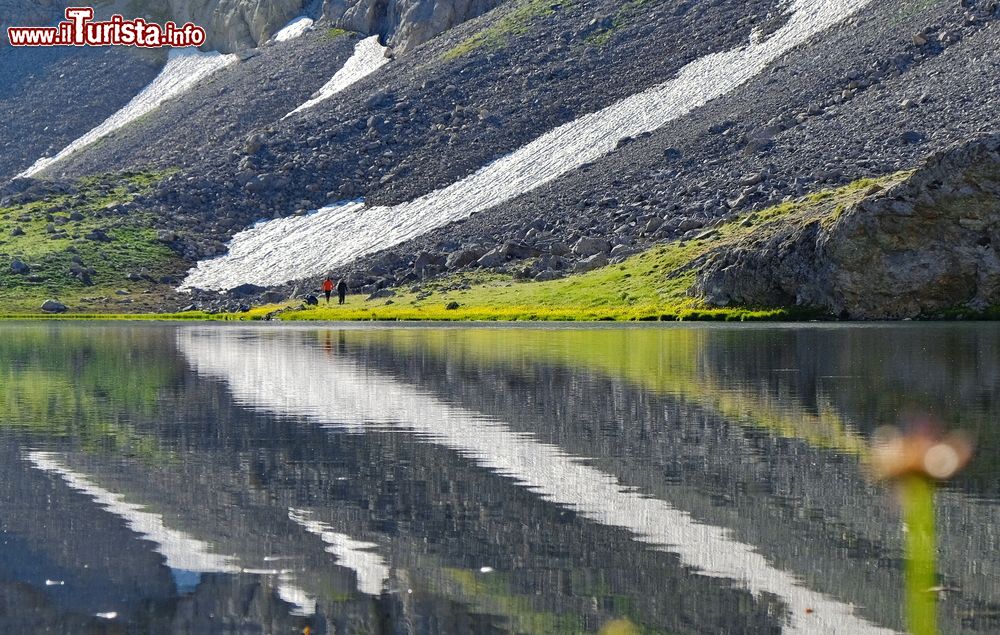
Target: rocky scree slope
x,y
870,97
51,96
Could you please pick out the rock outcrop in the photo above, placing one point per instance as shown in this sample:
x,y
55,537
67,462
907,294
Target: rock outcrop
x,y
926,244
237,24
404,24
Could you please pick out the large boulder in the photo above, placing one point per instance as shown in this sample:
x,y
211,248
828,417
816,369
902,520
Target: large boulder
x,y
588,246
590,263
491,259
245,290
54,306
18,267
463,257
928,243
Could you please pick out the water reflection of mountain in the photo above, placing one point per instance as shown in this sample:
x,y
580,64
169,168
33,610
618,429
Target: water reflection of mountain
x,y
808,510
69,566
299,367
435,519
226,476
368,527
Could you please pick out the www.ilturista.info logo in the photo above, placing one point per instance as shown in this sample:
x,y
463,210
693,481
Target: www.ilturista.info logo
x,y
79,29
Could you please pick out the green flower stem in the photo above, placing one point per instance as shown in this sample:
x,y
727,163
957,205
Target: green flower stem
x,y
921,551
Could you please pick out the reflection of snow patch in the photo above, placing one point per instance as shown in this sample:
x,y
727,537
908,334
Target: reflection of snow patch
x,y
293,29
180,550
368,57
333,237
370,568
303,376
302,603
184,69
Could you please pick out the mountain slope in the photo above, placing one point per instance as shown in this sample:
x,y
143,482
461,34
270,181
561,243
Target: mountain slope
x,y
781,99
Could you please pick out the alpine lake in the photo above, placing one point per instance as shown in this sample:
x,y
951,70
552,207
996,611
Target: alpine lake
x,y
199,478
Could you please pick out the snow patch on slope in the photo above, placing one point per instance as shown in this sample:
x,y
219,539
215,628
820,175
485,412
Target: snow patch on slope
x,y
286,374
337,235
296,28
183,70
368,56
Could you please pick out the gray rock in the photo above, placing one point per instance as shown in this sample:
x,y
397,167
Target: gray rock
x,y
491,259
620,251
548,274
595,261
54,306
18,267
689,224
512,250
408,23
98,235
651,226
559,248
245,290
463,257
945,249
382,293
588,246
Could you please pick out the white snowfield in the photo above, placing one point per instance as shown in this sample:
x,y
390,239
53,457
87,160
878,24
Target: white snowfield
x,y
368,57
296,28
338,234
285,373
371,570
183,70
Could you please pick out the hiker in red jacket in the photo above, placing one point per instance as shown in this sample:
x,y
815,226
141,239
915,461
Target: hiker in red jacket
x,y
328,288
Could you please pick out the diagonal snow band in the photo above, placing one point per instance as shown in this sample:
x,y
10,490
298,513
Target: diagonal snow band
x,y
288,249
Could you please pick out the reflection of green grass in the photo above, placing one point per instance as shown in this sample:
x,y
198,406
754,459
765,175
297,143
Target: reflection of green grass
x,y
80,385
664,361
516,21
492,594
489,594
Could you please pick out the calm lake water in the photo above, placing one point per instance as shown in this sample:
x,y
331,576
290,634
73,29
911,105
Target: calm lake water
x,y
206,479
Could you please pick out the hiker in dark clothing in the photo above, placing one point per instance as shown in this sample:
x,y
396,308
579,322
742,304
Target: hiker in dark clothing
x,y
328,288
342,290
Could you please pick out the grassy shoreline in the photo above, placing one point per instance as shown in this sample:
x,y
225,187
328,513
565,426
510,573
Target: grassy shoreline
x,y
655,285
